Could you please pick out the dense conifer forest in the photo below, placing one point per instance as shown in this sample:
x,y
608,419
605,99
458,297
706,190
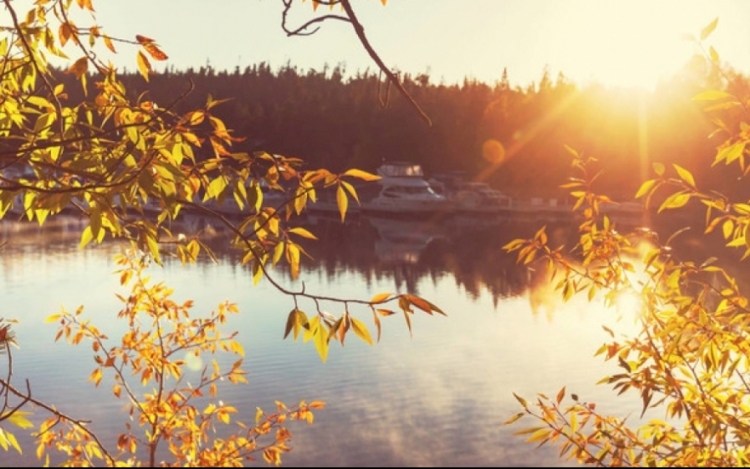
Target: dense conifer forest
x,y
337,120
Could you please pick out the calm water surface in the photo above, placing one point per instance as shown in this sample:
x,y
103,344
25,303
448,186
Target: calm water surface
x,y
438,398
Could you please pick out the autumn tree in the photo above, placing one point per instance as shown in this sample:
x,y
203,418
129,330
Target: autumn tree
x,y
131,166
688,362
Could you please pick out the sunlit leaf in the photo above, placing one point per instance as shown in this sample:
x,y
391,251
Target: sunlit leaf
x,y
361,330
144,66
365,176
380,298
685,175
299,231
18,418
342,202
708,29
674,201
712,95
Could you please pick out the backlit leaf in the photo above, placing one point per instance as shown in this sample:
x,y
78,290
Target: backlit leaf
x,y
361,330
299,231
365,176
380,297
645,187
144,66
708,29
342,202
712,95
675,200
685,175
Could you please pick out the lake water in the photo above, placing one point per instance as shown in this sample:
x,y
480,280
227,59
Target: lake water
x,y
438,398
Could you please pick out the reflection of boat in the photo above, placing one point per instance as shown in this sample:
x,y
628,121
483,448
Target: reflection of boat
x,y
402,241
401,189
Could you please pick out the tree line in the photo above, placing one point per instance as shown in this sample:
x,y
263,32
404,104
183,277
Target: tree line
x,y
336,120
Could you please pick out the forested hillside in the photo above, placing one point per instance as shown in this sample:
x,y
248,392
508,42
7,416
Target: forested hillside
x,y
336,122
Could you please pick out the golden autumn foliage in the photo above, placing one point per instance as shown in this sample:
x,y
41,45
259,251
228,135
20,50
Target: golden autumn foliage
x,y
131,166
688,362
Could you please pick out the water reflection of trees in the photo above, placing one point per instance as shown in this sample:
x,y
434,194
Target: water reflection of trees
x,y
468,250
406,252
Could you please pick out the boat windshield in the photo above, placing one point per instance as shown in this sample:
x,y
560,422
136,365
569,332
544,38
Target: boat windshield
x,y
401,170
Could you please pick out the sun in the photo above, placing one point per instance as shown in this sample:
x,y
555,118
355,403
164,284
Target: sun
x,y
631,44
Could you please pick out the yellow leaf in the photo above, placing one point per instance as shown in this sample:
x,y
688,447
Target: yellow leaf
x,y
645,187
237,348
685,175
361,330
380,298
521,400
350,189
144,66
18,418
658,168
108,43
321,339
727,228
86,236
342,202
712,95
53,318
358,173
675,200
302,232
705,32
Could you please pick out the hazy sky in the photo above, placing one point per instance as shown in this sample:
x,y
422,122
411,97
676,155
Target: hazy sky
x,y
629,42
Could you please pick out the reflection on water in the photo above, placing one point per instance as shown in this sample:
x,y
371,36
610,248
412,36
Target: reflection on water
x,y
436,399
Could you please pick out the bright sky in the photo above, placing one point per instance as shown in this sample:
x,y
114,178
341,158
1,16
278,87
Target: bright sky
x,y
624,42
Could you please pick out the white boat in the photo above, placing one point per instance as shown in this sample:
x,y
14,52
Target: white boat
x,y
401,190
479,198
